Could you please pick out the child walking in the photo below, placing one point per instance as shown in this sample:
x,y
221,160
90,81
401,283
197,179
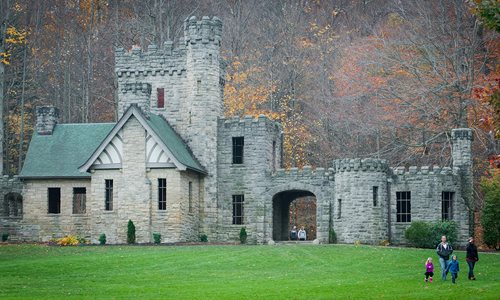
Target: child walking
x,y
429,270
453,268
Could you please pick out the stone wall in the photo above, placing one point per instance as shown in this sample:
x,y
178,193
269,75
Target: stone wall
x,y
38,225
251,178
11,206
357,217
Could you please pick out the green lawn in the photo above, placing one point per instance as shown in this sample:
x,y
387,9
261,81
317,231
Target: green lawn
x,y
235,272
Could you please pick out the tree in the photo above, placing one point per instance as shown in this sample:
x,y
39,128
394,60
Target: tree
x,y
490,219
130,232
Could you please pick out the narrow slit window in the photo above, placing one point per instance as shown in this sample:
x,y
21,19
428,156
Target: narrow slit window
x,y
238,145
190,196
108,194
375,195
339,209
160,97
403,207
447,205
162,193
238,202
54,195
79,200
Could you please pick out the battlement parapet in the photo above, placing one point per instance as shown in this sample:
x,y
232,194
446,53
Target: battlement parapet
x,y
249,122
424,170
358,164
207,30
136,88
305,172
462,134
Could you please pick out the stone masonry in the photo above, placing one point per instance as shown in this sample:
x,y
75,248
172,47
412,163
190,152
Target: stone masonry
x,y
355,197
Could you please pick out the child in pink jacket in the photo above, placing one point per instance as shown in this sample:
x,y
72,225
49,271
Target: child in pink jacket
x,y
429,270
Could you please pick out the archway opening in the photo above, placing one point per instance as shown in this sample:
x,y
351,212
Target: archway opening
x,y
13,205
294,208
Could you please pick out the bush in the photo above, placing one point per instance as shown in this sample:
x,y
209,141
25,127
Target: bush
x,y
102,239
332,236
130,232
5,237
490,219
157,238
419,234
423,234
243,235
69,240
203,238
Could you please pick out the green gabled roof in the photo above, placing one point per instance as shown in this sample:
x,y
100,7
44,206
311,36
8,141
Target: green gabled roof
x,y
59,155
174,142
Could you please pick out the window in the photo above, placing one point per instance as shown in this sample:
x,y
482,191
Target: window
x,y
339,210
79,199
238,209
108,195
274,156
375,195
160,93
447,205
54,200
162,193
238,143
403,207
190,196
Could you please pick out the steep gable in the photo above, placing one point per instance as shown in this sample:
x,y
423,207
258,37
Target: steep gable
x,y
164,147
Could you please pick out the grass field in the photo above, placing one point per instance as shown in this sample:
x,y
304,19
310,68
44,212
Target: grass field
x,y
235,272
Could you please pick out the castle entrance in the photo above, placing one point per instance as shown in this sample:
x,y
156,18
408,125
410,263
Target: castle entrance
x,y
294,208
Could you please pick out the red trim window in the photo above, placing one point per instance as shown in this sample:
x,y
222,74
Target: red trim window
x,y
161,97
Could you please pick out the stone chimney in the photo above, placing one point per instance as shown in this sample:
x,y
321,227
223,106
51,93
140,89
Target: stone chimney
x,y
46,119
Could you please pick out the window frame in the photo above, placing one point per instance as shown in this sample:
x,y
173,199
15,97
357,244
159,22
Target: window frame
x,y
51,205
238,146
82,201
108,194
448,215
375,195
403,207
190,196
162,194
160,97
238,215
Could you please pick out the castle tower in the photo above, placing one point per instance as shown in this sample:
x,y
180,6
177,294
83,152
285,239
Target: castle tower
x,y
462,161
360,207
205,102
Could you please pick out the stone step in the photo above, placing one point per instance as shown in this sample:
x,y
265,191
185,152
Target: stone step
x,y
294,242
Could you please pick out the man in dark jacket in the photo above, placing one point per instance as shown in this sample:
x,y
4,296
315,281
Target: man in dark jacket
x,y
471,257
444,250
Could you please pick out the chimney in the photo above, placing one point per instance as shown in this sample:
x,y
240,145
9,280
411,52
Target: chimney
x,y
46,119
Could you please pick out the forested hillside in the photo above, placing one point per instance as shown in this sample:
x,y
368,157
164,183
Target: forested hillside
x,y
363,78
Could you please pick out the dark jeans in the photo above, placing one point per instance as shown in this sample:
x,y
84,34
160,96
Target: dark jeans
x,y
471,268
453,277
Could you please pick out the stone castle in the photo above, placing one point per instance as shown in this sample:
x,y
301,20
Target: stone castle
x,y
174,165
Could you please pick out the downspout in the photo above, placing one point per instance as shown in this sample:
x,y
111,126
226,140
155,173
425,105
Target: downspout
x,y
389,202
150,193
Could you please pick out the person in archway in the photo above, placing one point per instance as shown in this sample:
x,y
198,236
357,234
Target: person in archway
x,y
302,234
293,233
471,257
444,250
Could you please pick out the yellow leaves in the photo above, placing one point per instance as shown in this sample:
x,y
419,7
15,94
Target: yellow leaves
x,y
12,37
4,58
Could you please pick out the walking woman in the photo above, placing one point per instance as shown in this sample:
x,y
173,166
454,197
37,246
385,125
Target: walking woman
x,y
471,257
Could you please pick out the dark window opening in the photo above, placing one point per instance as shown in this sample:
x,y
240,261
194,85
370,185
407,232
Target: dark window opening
x,y
375,195
108,194
274,156
403,207
190,196
339,209
162,193
238,209
79,200
160,92
447,205
238,144
54,200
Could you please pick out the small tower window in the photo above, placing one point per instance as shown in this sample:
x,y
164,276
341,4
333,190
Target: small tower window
x,y
339,209
160,92
447,205
238,214
162,193
403,207
238,144
375,195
